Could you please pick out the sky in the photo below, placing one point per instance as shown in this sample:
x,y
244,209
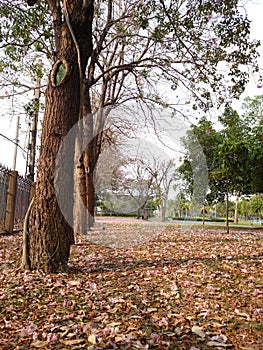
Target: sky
x,y
254,9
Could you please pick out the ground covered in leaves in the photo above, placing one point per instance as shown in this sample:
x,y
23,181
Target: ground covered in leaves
x,y
139,286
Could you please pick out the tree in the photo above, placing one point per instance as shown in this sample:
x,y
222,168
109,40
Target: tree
x,y
233,154
242,153
126,183
256,205
180,205
208,138
162,172
252,108
244,208
221,209
139,185
136,45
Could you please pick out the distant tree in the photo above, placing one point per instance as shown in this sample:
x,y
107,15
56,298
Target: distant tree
x,y
244,208
221,209
162,172
180,205
256,205
208,138
139,185
233,154
253,115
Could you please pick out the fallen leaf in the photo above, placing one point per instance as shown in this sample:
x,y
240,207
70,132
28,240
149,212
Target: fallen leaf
x,y
72,341
92,339
220,338
222,345
73,283
38,344
114,324
119,338
199,331
151,309
243,314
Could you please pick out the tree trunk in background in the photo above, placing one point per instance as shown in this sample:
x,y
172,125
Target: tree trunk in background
x,y
163,209
236,208
227,206
89,165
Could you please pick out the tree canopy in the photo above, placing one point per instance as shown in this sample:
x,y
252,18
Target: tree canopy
x,y
233,150
190,45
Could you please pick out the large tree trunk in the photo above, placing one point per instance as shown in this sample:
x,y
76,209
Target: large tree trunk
x,y
49,234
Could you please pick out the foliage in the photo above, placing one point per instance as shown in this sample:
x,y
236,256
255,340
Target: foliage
x,y
233,152
221,208
208,138
26,39
256,205
179,206
244,207
143,43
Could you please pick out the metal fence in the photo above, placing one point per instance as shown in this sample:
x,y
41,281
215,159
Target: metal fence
x,y
15,197
23,188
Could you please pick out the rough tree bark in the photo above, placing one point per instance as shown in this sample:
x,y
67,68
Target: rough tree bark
x,y
49,234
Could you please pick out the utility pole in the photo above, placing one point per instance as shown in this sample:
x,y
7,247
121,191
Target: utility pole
x,y
32,144
16,142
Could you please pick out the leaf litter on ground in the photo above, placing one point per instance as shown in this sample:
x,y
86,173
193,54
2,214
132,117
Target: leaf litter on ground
x,y
174,289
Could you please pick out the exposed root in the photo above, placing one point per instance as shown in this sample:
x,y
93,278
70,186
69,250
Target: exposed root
x,y
25,264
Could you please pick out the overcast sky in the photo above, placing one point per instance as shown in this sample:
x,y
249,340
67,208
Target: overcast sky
x,y
254,9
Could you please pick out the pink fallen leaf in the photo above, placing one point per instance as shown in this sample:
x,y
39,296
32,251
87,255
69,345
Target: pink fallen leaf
x,y
220,338
243,314
156,338
51,337
28,330
163,322
93,286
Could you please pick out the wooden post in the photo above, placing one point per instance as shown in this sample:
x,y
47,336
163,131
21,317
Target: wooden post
x,y
11,202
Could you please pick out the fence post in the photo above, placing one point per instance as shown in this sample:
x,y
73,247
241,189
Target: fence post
x,y
11,201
